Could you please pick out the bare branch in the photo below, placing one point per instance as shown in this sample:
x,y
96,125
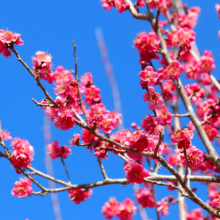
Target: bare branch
x,y
159,142
187,166
181,115
7,152
37,80
135,14
77,79
40,104
67,173
155,202
102,169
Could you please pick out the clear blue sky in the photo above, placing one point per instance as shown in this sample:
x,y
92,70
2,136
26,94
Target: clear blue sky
x,y
51,26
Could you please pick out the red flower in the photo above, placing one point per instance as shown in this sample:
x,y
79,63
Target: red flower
x,y
79,195
135,173
22,188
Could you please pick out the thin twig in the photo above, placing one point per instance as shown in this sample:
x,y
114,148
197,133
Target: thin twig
x,y
34,181
159,142
67,173
88,144
102,169
77,79
155,202
187,166
207,119
41,104
157,168
37,80
7,152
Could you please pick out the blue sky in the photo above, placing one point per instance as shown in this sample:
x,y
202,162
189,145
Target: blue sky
x,y
51,26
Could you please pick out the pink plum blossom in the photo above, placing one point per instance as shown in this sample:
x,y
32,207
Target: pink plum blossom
x,y
154,98
110,208
75,139
152,125
173,71
155,3
164,115
206,63
22,188
148,76
126,210
163,207
42,66
55,151
7,40
147,45
183,37
79,195
86,79
145,197
92,95
135,173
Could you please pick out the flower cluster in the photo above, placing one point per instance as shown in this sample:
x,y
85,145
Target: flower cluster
x,y
42,66
195,92
173,71
123,211
152,125
183,37
154,98
7,40
6,135
145,198
217,7
102,118
163,207
155,3
68,93
189,20
148,77
55,151
206,62
147,45
182,138
79,195
22,188
195,158
120,5
22,154
135,173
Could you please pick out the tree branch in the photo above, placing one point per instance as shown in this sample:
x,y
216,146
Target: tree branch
x,y
77,79
37,80
102,169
